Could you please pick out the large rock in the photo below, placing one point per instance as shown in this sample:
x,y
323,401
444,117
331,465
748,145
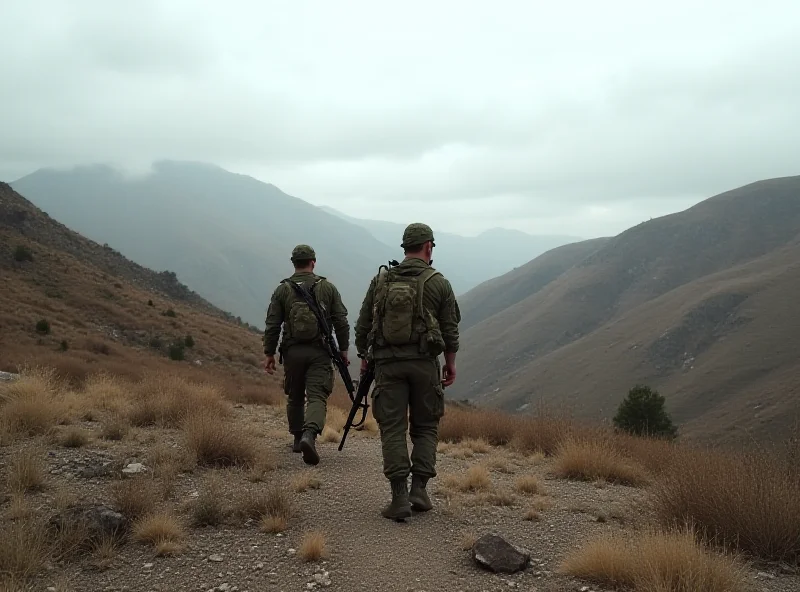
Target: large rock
x,y
8,377
100,521
494,553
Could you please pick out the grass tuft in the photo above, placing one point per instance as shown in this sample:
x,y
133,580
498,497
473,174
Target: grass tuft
x,y
597,458
312,547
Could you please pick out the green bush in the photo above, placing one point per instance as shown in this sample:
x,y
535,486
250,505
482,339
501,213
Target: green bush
x,y
23,253
64,345
189,341
43,326
642,413
170,313
176,351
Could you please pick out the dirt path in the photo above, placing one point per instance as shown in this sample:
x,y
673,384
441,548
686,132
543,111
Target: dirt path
x,y
364,550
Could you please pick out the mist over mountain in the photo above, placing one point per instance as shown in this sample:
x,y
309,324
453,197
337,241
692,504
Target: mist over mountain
x,y
228,236
466,260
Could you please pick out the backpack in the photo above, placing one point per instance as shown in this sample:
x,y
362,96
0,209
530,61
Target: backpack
x,y
400,317
300,319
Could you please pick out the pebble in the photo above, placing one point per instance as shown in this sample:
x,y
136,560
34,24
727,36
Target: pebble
x,y
215,557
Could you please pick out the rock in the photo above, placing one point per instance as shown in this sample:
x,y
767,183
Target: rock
x,y
215,557
100,520
8,377
494,553
134,468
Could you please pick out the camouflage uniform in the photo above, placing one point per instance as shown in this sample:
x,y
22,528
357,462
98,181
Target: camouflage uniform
x,y
307,365
407,378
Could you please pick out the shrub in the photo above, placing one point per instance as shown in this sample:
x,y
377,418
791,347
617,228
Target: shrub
x,y
642,413
23,253
176,350
170,313
188,341
43,326
64,345
150,303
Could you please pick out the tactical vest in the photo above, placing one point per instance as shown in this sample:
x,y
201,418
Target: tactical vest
x,y
401,325
301,324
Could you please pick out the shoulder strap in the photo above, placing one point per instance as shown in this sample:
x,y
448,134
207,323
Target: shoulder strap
x,y
428,274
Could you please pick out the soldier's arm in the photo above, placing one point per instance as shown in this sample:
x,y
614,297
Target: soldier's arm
x,y
338,313
275,317
364,322
449,318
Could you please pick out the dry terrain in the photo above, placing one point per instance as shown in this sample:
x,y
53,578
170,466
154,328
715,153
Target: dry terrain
x,y
212,498
699,304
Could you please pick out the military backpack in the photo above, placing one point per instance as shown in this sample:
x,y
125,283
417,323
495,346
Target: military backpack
x,y
400,318
301,322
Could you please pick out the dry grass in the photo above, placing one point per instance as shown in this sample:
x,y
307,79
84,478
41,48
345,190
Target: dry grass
x,y
161,529
105,392
32,404
26,470
114,429
746,500
24,548
532,515
652,560
274,524
272,502
468,540
542,432
215,442
596,458
329,435
166,400
476,478
208,509
304,481
312,547
137,496
75,437
529,485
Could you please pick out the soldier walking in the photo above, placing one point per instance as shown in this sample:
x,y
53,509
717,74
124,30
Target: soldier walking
x,y
409,317
308,368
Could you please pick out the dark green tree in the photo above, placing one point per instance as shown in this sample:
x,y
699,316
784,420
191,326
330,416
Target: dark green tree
x,y
642,413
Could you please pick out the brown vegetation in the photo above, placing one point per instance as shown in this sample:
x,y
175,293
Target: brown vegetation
x,y
653,560
312,547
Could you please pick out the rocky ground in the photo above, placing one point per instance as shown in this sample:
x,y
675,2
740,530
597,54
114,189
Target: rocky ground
x,y
363,551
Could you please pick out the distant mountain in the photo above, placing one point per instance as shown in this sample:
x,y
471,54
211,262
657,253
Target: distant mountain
x,y
701,304
228,236
467,261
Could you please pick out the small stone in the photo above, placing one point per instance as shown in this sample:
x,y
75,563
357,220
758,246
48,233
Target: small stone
x,y
224,587
134,468
292,551
765,575
215,557
496,554
148,566
259,566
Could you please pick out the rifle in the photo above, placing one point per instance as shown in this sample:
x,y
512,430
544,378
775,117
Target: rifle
x,y
330,342
364,382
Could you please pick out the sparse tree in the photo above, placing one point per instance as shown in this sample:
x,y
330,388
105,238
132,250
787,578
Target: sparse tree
x,y
642,413
176,350
23,253
43,326
189,341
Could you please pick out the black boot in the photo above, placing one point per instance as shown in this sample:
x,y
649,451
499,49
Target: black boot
x,y
296,444
308,448
399,508
420,502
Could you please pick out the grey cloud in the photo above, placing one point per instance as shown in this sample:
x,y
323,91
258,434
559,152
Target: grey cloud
x,y
537,111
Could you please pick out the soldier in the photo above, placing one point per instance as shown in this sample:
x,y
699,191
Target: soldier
x,y
408,317
307,365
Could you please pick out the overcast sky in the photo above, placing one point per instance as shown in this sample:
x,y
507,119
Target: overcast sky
x,y
576,117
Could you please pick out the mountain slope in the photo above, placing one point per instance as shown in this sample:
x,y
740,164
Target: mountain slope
x,y
643,283
497,294
105,311
228,236
467,261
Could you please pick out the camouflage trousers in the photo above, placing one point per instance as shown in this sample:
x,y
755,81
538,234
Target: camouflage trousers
x,y
308,374
408,393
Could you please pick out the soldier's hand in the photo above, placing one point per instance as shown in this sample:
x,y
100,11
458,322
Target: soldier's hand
x,y
269,364
344,357
448,374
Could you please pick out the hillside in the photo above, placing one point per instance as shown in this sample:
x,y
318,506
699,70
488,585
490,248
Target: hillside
x,y
98,306
228,236
468,260
697,303
499,293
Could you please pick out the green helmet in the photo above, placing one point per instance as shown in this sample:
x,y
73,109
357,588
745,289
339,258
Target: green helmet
x,y
416,234
303,253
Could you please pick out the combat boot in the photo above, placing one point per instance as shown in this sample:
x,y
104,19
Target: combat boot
x,y
399,508
420,502
308,448
296,444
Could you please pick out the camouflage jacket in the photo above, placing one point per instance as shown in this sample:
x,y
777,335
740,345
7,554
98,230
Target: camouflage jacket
x,y
438,297
327,295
